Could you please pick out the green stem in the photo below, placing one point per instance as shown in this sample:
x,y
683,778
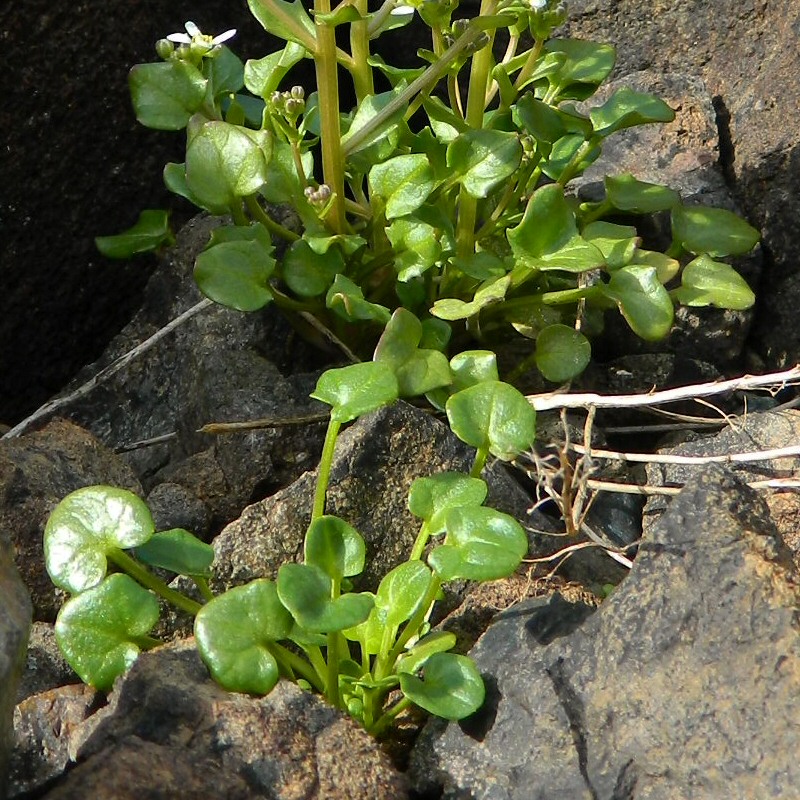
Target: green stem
x,y
150,581
324,470
566,296
420,542
476,105
286,20
258,214
529,65
297,664
359,47
332,682
386,719
572,167
330,132
203,588
413,625
481,454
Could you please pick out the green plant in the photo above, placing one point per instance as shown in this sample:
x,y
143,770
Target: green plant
x,y
358,649
444,191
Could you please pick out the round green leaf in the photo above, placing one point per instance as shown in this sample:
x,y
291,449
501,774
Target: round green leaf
x,y
357,389
628,194
431,498
706,282
642,300
150,232
306,591
481,545
473,366
178,551
403,182
562,353
166,95
715,231
85,526
225,162
451,686
435,642
310,274
335,547
401,591
347,300
493,415
626,108
98,629
484,158
233,632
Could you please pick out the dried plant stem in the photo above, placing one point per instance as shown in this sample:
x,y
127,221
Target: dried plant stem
x,y
773,381
105,373
792,451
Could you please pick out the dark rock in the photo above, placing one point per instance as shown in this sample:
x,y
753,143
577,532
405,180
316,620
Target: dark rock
x,y
36,472
15,620
685,683
45,667
174,506
172,726
43,729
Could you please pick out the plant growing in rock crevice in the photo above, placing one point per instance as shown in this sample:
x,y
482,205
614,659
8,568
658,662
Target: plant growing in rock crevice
x,y
445,194
358,649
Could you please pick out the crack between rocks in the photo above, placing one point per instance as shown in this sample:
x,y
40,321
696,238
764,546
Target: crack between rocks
x,y
573,709
727,153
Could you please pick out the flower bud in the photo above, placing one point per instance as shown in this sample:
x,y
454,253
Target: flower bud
x,y
165,49
459,26
297,92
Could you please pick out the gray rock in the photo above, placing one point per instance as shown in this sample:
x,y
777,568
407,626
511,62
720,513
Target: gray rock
x,y
36,472
375,462
685,683
15,620
45,666
170,732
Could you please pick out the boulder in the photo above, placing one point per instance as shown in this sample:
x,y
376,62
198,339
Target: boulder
x,y
685,683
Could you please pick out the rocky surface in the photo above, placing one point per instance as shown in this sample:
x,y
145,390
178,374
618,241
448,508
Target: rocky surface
x,y
15,619
168,725
685,683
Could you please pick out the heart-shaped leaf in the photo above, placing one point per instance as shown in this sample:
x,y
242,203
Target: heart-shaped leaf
x,y
481,545
335,547
166,95
715,231
306,591
101,631
483,158
178,551
451,686
150,232
585,66
403,183
235,268
706,282
357,389
225,162
627,108
642,300
562,353
491,292
310,274
233,633
85,526
493,416
432,497
401,591
617,243
547,226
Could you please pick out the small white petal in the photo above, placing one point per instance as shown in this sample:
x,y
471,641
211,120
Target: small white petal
x,y
401,11
180,38
224,37
538,5
192,29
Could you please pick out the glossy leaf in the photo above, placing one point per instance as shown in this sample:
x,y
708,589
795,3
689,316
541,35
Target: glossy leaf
x,y
306,591
539,119
617,243
100,630
627,108
586,65
235,268
416,246
626,193
347,299
401,591
403,183
309,274
178,551
357,389
226,72
85,526
366,111
451,308
233,632
282,184
436,642
482,266
287,21
451,686
225,162
335,547
666,268
417,370
150,232
642,300
263,76
432,497
175,180
562,353
715,231
473,366
705,282
493,415
483,159
564,151
167,94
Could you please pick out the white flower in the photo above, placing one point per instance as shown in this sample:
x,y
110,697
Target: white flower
x,y
194,36
536,5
